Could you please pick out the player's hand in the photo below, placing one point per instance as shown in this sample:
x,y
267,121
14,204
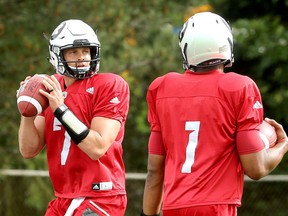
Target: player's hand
x,y
54,93
281,134
21,84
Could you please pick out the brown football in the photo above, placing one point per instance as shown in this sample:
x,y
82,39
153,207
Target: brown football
x,y
268,134
29,100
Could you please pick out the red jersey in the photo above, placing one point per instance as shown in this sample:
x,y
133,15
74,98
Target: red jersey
x,y
198,116
72,172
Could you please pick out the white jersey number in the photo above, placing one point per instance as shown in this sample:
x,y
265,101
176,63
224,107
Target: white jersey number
x,y
66,144
193,126
66,148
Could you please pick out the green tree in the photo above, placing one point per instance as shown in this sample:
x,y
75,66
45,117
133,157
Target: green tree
x,y
140,42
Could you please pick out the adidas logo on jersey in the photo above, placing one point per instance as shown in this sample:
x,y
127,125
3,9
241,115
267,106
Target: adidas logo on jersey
x,y
257,105
95,187
102,186
90,90
115,100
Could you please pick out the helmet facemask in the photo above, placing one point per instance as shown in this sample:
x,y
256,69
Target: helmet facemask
x,y
74,34
82,72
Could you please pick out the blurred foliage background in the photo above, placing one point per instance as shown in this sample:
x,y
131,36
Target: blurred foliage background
x,y
139,41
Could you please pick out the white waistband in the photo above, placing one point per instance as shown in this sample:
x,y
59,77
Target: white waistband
x,y
73,205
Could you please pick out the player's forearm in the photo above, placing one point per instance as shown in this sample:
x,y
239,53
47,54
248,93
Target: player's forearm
x,y
94,145
276,155
260,164
28,138
152,197
152,204
102,134
87,139
152,200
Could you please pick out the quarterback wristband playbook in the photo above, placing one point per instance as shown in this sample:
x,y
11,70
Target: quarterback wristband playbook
x,y
76,129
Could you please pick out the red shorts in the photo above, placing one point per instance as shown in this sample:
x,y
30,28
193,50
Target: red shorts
x,y
209,210
102,206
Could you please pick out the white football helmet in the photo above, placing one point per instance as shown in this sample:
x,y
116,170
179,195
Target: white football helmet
x,y
74,33
206,40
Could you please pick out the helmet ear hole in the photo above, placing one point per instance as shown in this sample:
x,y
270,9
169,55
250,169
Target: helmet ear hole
x,y
74,34
206,40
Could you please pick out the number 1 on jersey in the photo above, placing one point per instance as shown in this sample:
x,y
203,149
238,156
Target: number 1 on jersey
x,y
193,126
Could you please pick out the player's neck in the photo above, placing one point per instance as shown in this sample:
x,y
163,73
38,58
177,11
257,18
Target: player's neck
x,y
69,81
207,69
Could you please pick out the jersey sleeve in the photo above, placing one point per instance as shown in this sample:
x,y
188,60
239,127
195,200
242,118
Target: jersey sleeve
x,y
155,144
251,111
249,142
246,99
250,114
112,101
151,102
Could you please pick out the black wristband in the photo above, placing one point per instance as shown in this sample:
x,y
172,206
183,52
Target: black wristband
x,y
143,214
76,129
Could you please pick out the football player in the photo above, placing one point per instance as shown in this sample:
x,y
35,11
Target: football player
x,y
205,128
83,127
